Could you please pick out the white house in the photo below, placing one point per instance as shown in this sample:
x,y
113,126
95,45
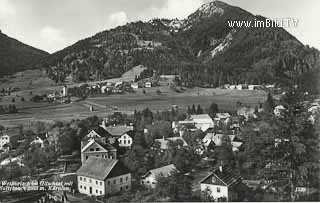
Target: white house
x,y
147,84
220,185
100,177
135,86
202,121
279,110
150,178
4,140
125,140
38,141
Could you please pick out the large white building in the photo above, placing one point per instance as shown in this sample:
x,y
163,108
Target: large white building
x,y
150,178
100,177
220,185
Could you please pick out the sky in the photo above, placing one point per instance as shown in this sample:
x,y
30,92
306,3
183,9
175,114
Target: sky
x,y
52,25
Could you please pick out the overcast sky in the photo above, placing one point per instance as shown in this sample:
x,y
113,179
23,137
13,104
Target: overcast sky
x,y
52,25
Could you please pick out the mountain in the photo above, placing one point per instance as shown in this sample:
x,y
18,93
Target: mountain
x,y
203,49
16,56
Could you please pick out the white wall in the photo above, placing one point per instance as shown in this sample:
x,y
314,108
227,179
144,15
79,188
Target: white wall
x,y
150,181
214,190
84,184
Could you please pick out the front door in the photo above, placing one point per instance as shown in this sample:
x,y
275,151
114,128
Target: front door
x,y
90,190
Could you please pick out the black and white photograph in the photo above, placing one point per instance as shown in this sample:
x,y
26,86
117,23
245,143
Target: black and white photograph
x,y
106,101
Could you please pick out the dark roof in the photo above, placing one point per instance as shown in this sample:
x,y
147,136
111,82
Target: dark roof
x,y
101,169
226,178
102,132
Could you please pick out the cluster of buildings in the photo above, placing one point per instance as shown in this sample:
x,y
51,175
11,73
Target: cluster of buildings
x,y
101,172
250,87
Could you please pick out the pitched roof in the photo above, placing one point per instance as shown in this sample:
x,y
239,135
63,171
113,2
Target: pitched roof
x,y
200,116
164,171
90,142
227,178
118,130
97,168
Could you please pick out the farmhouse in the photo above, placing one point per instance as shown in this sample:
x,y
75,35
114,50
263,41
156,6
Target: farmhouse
x,y
100,177
213,139
150,178
147,84
97,148
122,133
221,185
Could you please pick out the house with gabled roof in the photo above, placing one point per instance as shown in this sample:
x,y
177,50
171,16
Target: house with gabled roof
x,y
97,148
221,184
100,177
122,133
150,178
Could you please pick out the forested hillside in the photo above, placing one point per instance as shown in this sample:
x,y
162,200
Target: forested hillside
x,y
16,56
202,49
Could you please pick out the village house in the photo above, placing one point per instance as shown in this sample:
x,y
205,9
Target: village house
x,y
165,141
221,185
97,148
122,133
150,179
100,177
222,119
148,84
4,141
279,110
38,141
215,140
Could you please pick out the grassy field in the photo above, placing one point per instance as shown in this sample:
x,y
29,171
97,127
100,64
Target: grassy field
x,y
126,103
35,81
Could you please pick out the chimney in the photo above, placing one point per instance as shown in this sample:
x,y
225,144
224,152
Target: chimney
x,y
220,168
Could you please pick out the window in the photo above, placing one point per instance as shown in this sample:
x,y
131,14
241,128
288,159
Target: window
x,y
84,188
90,181
120,180
84,179
97,191
91,149
80,186
114,181
100,192
127,187
80,178
148,181
124,141
86,157
108,182
127,178
100,182
153,183
96,182
218,189
120,188
97,149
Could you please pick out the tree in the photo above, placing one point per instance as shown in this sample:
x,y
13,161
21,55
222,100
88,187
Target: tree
x,y
269,104
143,91
199,110
213,109
193,109
177,187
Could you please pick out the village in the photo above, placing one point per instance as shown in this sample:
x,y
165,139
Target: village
x,y
100,167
